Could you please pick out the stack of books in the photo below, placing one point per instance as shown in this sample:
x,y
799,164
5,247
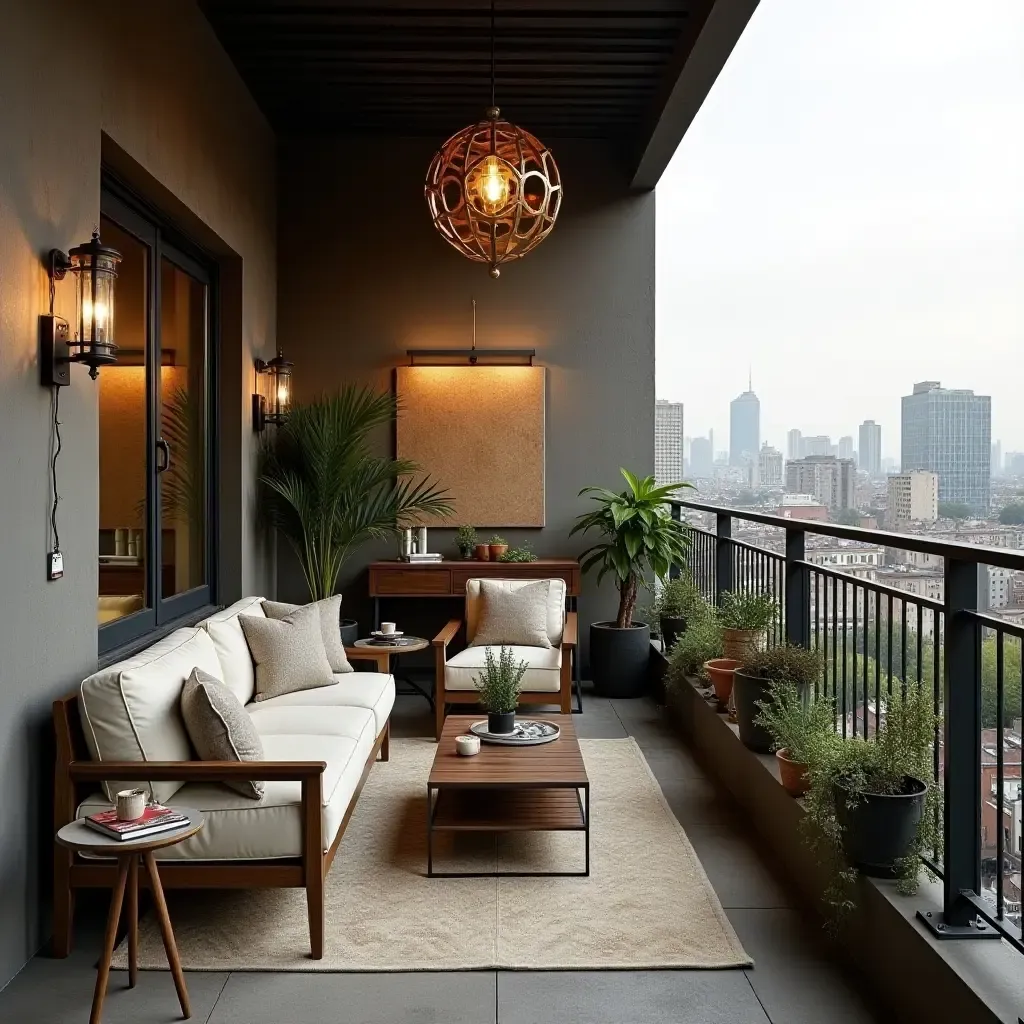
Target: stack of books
x,y
426,556
154,820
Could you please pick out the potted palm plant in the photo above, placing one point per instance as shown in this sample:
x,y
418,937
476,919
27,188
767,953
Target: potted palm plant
x,y
675,601
498,686
745,618
325,492
753,682
638,537
796,724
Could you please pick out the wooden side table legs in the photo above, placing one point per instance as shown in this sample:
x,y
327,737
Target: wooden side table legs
x,y
109,938
133,921
166,933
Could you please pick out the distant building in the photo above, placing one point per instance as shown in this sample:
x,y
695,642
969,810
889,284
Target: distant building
x,y
819,444
794,445
830,480
997,458
701,458
949,432
1014,464
845,448
869,452
802,506
744,429
769,466
913,497
668,441
889,465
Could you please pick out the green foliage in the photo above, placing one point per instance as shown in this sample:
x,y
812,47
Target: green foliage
x,y
325,492
701,642
954,510
903,746
785,663
676,598
797,725
520,553
745,498
1012,514
498,684
639,535
465,539
848,517
741,609
497,539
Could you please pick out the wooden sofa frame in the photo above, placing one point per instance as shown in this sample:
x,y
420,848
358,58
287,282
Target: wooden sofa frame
x,y
441,695
77,776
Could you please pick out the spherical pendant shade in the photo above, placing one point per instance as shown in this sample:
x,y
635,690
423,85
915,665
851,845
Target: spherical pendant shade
x,y
493,191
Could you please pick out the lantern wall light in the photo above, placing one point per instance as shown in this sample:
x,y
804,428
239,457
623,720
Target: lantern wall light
x,y
272,400
90,339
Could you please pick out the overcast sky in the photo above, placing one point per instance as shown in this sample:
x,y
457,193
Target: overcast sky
x,y
846,216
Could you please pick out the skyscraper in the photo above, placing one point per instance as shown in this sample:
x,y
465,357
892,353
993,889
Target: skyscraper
x,y
845,450
794,445
701,458
668,441
870,451
997,458
769,466
949,432
818,444
744,428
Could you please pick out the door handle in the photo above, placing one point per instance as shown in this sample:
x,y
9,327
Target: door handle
x,y
163,446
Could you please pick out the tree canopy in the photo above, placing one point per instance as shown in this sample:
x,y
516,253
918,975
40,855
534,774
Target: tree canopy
x,y
954,510
1012,514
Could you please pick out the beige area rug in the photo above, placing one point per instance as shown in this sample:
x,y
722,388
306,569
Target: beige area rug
x,y
646,904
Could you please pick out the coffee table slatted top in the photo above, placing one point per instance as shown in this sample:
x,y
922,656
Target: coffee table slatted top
x,y
548,765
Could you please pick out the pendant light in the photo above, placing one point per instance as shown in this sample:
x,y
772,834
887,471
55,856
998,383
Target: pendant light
x,y
493,189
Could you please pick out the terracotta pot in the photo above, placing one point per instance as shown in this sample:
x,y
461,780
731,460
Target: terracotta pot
x,y
497,550
792,774
483,552
720,672
738,643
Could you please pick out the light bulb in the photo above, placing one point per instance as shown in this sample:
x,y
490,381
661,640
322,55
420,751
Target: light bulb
x,y
491,185
96,316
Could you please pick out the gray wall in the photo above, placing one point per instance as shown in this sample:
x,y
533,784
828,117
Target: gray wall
x,y
81,84
363,276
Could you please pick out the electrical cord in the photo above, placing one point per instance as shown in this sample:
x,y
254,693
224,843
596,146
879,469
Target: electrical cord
x,y
53,469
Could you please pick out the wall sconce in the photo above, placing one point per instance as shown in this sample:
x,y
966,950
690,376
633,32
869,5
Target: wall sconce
x,y
94,266
272,403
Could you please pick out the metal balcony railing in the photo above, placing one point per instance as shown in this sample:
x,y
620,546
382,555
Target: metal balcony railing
x,y
873,636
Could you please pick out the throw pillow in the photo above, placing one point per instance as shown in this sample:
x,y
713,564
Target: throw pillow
x,y
515,618
288,653
219,727
329,610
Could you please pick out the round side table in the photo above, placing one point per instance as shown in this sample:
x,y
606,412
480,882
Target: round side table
x,y
81,838
403,645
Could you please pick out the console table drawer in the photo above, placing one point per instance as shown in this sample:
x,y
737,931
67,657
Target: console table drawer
x,y
411,582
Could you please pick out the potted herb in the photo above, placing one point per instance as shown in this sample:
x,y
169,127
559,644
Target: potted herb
x,y
638,537
872,805
465,541
753,682
745,618
702,642
522,553
498,686
796,724
674,602
496,548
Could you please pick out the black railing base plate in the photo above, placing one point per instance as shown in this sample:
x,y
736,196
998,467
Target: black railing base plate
x,y
940,930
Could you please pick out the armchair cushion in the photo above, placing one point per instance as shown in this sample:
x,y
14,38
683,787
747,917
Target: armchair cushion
x,y
512,617
542,674
555,606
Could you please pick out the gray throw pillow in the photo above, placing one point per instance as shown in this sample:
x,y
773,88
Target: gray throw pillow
x,y
513,617
219,728
329,610
288,653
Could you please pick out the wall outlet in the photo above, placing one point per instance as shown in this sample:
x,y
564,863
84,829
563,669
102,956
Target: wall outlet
x,y
54,565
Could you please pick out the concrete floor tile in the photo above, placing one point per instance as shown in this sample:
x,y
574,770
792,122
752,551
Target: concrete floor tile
x,y
737,872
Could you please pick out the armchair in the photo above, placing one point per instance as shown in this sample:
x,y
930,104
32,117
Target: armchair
x,y
548,678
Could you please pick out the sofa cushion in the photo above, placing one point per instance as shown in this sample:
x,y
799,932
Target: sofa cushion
x,y
131,709
512,616
237,828
329,610
542,675
374,691
289,653
219,728
226,633
556,606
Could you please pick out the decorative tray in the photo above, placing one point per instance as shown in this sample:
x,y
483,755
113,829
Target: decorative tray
x,y
527,733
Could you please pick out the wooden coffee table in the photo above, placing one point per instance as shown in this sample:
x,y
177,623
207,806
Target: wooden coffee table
x,y
542,788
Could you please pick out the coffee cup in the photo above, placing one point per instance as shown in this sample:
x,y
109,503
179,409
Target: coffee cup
x,y
131,804
387,627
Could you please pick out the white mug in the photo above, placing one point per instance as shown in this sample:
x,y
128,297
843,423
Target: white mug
x,y
131,804
387,627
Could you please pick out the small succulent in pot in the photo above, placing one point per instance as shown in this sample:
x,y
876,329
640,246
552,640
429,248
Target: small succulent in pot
x,y
498,546
465,541
498,686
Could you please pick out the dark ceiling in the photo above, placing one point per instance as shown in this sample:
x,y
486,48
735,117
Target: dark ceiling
x,y
565,68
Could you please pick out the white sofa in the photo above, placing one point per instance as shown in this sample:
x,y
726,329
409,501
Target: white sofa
x,y
318,746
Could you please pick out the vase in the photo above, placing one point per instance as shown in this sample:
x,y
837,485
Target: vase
x,y
501,722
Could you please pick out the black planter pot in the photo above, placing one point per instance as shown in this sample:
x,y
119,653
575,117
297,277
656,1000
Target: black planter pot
x,y
502,722
619,659
672,628
747,690
878,828
349,632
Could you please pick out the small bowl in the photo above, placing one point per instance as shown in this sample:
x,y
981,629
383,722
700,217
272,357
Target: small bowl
x,y
467,746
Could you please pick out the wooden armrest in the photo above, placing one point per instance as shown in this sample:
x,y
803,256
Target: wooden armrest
x,y
447,635
194,771
569,630
380,656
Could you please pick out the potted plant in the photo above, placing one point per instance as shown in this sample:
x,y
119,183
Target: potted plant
x,y
498,686
497,547
745,617
871,805
522,553
673,603
638,536
482,552
465,541
795,724
324,491
753,681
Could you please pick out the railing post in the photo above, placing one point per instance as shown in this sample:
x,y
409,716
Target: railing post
x,y
675,510
796,604
723,555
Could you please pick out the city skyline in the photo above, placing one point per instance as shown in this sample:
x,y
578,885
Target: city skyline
x,y
847,221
